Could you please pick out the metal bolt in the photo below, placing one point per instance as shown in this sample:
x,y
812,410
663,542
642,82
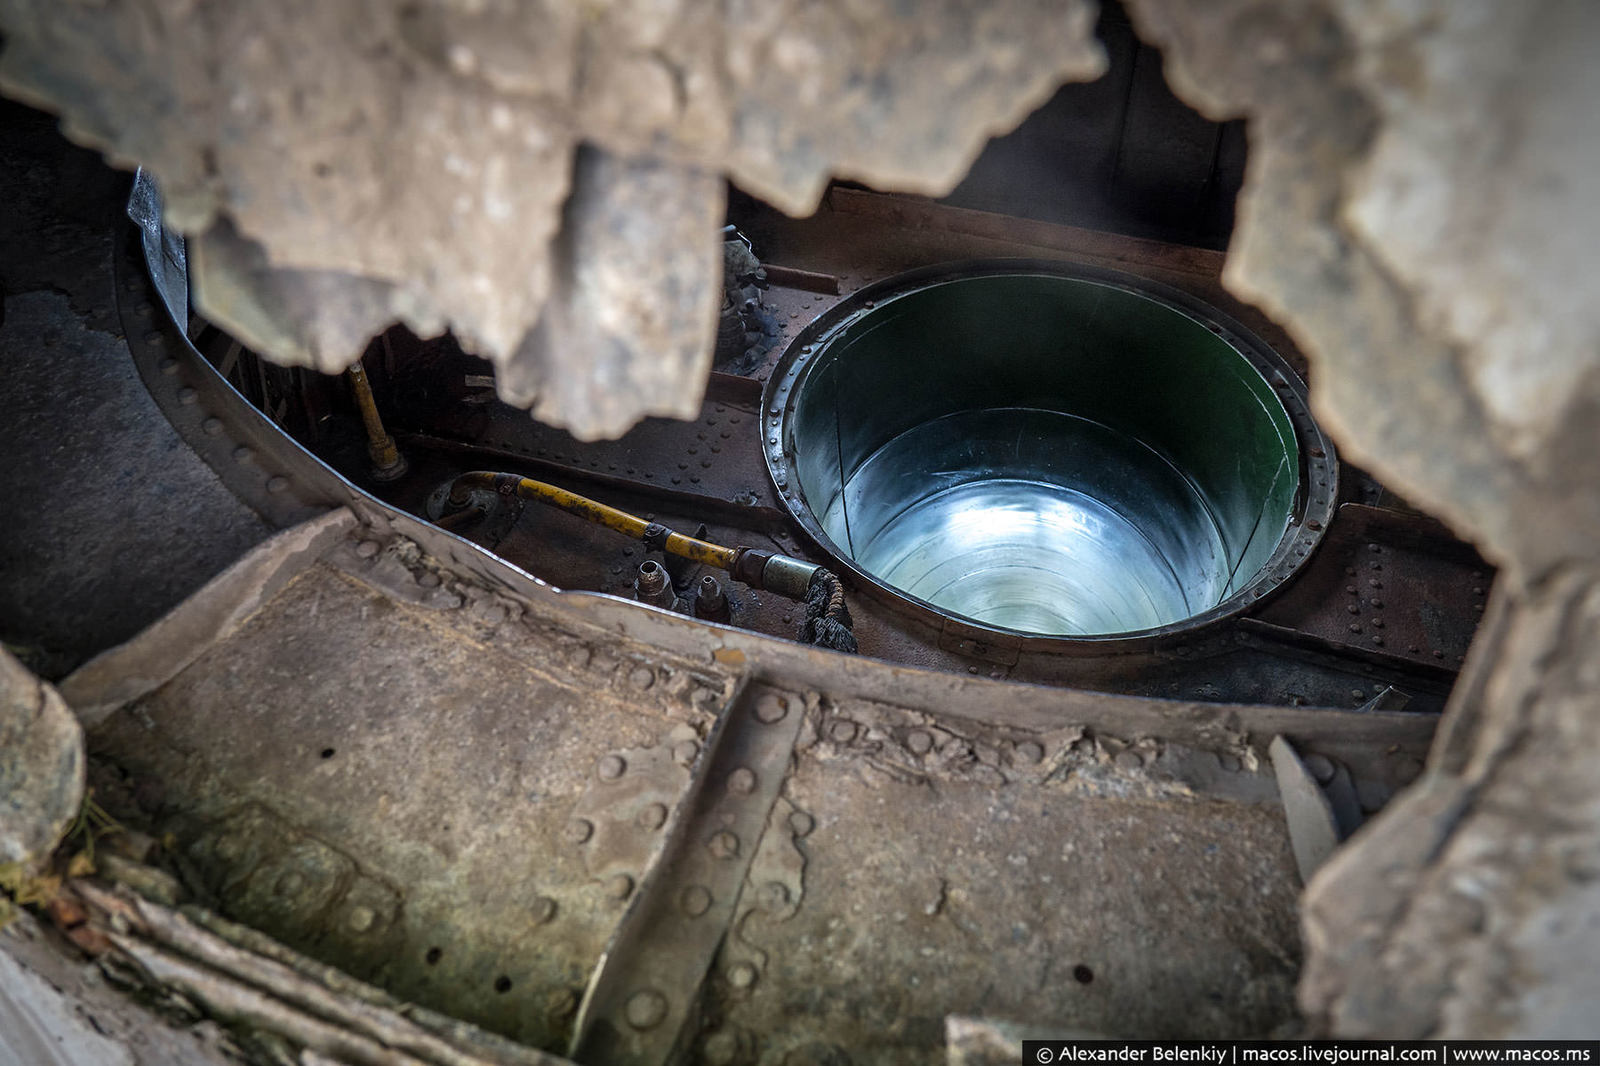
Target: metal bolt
x,y
842,731
801,824
187,396
646,1009
919,742
771,708
361,918
612,767
684,752
367,549
277,483
724,845
695,901
579,830
741,975
619,887
212,426
1030,752
652,816
742,781
543,910
168,366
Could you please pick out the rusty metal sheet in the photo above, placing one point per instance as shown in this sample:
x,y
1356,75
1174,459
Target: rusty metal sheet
x,y
1390,585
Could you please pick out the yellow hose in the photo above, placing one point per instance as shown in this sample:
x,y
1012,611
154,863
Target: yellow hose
x,y
698,551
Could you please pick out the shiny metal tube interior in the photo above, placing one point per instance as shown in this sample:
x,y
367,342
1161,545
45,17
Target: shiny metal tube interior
x,y
1043,454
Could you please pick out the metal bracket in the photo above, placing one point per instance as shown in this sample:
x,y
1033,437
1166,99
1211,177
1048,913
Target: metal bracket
x,y
642,994
655,537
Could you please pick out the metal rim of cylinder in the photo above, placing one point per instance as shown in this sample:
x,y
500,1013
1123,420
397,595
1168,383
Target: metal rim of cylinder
x,y
1312,513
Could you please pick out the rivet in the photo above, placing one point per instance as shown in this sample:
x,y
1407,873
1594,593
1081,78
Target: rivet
x,y
720,1048
187,396
646,1009
277,483
1437,654
1354,608
1321,767
578,830
641,677
168,366
212,426
919,742
543,910
724,845
741,975
773,896
1375,604
771,708
1377,623
801,824
361,918
155,337
612,767
1354,628
742,782
1377,639
695,900
1413,649
1313,524
1357,694
1030,752
1351,589
619,887
684,752
842,731
562,1002
367,548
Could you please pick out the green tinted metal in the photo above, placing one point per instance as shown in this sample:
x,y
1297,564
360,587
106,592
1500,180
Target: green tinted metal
x,y
1046,454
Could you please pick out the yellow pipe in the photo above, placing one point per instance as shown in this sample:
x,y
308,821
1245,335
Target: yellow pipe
x,y
631,525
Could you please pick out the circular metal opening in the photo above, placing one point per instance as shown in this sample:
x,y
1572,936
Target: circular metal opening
x,y
1047,452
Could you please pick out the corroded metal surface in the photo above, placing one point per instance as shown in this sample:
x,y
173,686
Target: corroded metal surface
x,y
466,779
